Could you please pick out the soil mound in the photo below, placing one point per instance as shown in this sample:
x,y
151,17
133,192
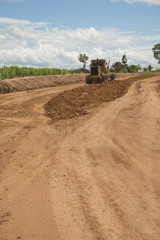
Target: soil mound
x,y
78,101
30,83
81,70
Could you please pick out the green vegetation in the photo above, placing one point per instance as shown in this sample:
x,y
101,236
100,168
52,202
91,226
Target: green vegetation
x,y
156,52
123,67
119,67
83,58
148,72
124,61
14,71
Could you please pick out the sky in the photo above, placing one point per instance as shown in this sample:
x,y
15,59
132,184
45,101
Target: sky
x,y
52,33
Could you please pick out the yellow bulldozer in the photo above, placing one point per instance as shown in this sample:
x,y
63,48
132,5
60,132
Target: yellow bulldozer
x,y
99,72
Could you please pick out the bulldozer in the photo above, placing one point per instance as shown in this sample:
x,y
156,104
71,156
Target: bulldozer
x,y
99,72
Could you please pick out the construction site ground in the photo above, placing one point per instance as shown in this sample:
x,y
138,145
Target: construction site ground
x,y
81,162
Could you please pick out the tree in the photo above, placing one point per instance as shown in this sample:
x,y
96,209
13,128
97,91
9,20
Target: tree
x,y
133,68
139,67
83,58
144,69
156,52
117,67
124,61
124,70
150,68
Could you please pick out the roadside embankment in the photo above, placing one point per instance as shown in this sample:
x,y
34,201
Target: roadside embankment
x,y
36,82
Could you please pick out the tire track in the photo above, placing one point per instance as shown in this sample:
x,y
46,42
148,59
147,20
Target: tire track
x,y
110,162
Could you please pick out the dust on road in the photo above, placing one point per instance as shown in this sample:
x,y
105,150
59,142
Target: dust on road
x,y
93,177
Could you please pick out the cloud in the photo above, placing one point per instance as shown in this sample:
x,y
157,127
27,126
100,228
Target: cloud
x,y
4,22
149,2
39,44
10,1
157,29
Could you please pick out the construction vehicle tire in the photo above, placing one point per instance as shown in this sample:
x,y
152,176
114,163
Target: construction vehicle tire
x,y
112,76
104,78
88,81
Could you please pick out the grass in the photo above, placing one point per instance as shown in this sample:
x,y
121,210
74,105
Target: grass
x,y
151,72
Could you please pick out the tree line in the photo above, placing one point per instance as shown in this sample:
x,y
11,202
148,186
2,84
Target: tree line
x,y
122,66
15,71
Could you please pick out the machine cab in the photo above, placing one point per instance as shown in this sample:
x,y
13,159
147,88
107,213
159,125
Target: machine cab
x,y
97,67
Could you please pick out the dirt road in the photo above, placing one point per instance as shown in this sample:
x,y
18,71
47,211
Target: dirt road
x,y
92,177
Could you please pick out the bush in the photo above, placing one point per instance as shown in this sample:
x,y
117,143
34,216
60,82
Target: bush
x,y
124,70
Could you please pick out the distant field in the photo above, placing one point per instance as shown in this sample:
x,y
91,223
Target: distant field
x,y
150,72
14,71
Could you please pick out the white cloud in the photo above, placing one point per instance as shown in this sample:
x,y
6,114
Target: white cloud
x,y
16,22
38,44
11,1
149,2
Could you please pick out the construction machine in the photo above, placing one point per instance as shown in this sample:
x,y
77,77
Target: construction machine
x,y
99,72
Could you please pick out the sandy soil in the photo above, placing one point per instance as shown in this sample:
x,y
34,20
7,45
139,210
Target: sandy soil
x,y
94,177
81,100
35,82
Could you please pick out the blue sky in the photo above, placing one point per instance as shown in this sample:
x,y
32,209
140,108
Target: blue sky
x,y
50,33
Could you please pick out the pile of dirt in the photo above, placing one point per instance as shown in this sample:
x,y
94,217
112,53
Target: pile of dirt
x,y
30,83
81,70
78,101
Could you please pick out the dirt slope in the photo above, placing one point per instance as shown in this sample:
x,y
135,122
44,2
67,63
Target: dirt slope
x,y
35,82
93,177
30,83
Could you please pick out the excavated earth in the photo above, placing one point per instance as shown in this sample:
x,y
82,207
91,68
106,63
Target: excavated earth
x,y
30,83
36,82
81,100
81,162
